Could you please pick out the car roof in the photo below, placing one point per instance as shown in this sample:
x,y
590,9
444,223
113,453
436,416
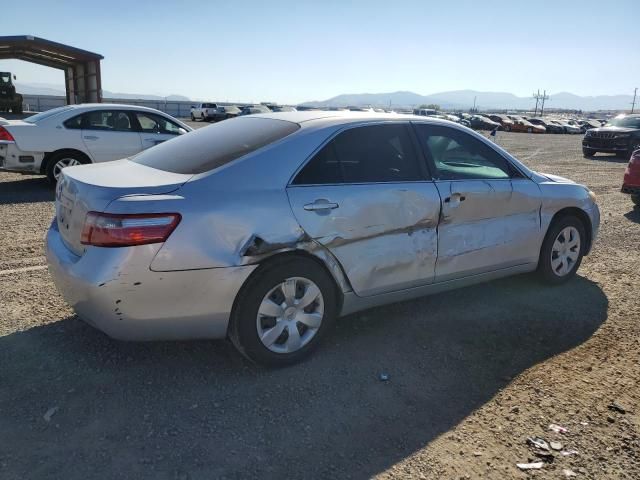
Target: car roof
x,y
315,118
103,106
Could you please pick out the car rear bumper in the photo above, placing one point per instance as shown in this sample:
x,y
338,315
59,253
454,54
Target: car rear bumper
x,y
114,290
12,159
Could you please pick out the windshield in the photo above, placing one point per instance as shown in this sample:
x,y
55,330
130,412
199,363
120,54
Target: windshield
x,y
44,115
5,78
212,147
625,122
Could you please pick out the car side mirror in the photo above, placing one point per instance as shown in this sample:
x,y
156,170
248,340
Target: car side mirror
x,y
181,131
14,77
193,106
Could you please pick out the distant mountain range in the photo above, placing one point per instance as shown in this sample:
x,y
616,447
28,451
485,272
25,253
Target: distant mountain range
x,y
454,100
464,100
58,91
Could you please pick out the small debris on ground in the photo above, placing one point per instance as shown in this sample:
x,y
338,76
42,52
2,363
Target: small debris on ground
x,y
558,428
530,466
555,445
616,407
538,443
569,473
50,413
383,377
568,453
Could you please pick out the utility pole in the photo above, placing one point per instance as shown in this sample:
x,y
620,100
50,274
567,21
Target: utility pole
x,y
633,104
474,104
537,97
543,98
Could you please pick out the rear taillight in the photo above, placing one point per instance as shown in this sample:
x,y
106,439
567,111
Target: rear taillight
x,y
126,230
635,158
5,135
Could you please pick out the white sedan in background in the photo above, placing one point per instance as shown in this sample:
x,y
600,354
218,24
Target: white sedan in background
x,y
47,142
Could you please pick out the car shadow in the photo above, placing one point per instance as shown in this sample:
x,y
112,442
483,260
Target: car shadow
x,y
633,215
26,189
198,410
608,158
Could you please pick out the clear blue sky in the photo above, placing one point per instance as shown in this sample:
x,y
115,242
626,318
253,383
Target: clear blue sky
x,y
292,51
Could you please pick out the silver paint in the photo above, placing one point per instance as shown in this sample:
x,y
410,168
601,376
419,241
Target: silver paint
x,y
382,242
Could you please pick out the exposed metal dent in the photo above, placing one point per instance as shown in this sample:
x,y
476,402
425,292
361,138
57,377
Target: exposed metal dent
x,y
256,246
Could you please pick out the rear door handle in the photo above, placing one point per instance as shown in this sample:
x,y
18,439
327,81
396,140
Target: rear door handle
x,y
320,204
90,137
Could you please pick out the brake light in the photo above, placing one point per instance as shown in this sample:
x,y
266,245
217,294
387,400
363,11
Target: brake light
x,y
5,135
635,158
126,230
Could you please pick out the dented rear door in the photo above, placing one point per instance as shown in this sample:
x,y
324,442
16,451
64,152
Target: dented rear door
x,y
364,196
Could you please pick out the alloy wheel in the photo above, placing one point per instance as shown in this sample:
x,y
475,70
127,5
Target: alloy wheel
x,y
290,315
62,163
565,251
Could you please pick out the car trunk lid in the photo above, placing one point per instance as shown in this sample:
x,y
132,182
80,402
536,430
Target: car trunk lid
x,y
86,188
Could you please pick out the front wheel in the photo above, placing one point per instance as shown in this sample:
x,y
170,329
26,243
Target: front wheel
x,y
562,250
636,200
193,118
283,311
63,160
529,130
587,152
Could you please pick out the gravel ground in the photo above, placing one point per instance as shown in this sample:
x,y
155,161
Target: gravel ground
x,y
469,380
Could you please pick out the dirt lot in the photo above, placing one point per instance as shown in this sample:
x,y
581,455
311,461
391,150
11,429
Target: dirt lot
x,y
472,373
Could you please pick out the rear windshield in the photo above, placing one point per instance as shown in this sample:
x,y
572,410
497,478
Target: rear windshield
x,y
49,113
216,145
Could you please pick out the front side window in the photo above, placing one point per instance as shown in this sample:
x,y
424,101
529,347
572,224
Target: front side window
x,y
371,154
152,123
456,155
107,120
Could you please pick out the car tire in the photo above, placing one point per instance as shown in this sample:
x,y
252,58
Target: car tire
x,y
636,200
193,119
587,152
507,128
559,263
69,158
265,291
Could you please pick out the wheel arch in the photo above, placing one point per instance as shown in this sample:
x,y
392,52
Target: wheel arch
x,y
583,217
338,278
49,155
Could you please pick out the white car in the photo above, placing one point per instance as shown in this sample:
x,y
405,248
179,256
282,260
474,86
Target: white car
x,y
47,142
203,111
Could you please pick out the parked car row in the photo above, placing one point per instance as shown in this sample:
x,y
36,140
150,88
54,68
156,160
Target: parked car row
x,y
212,112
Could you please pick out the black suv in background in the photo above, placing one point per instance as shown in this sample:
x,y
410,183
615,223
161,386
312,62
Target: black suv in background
x,y
620,136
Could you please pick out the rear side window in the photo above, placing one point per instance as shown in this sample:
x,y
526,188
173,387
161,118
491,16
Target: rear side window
x,y
216,145
74,123
371,154
152,123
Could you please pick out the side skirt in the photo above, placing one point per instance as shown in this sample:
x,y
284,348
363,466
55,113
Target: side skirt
x,y
353,303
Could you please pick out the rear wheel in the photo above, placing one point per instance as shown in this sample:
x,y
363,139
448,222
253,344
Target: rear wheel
x,y
283,311
17,109
636,200
62,160
587,152
562,250
193,118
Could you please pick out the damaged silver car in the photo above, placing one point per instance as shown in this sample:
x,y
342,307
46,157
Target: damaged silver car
x,y
266,228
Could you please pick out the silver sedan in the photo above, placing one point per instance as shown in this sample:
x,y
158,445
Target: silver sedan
x,y
266,228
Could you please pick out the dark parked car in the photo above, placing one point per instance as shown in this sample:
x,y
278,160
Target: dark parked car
x,y
503,120
550,127
620,136
223,113
479,122
251,109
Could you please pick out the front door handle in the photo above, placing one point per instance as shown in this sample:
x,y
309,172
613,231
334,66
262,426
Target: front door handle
x,y
90,137
455,198
320,204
